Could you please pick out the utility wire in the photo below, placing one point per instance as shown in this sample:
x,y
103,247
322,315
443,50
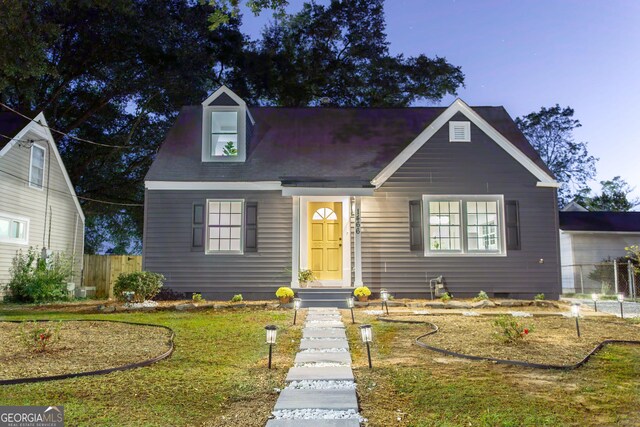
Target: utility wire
x,y
73,195
63,133
27,141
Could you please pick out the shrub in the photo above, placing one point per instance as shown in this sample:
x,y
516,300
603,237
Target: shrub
x,y
197,297
362,291
144,284
510,330
168,294
37,279
237,298
38,338
539,297
284,292
446,297
482,295
305,276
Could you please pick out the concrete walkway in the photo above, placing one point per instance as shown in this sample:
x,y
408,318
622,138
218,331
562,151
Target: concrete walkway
x,y
320,390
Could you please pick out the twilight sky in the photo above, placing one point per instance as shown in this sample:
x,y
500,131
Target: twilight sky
x,y
526,54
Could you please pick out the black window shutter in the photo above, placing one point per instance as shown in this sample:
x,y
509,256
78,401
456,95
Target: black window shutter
x,y
415,225
251,227
512,216
197,227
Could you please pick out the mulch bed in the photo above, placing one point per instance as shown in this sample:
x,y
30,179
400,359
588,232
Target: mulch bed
x,y
83,346
553,340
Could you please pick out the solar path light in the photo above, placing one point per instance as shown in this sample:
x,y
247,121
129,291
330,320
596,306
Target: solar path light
x,y
367,336
272,331
384,296
575,311
594,298
621,300
297,303
350,304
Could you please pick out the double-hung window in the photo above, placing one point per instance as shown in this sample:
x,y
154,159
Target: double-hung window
x,y
13,230
224,226
224,133
36,168
464,225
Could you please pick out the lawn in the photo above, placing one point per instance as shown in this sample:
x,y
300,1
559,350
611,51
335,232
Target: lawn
x,y
217,375
412,386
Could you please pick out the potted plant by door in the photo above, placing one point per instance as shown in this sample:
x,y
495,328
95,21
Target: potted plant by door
x,y
362,293
284,294
304,277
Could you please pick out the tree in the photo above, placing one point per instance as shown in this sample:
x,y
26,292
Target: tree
x,y
613,198
224,10
338,55
550,131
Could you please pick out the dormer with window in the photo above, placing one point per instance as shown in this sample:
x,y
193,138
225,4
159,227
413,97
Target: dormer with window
x,y
225,118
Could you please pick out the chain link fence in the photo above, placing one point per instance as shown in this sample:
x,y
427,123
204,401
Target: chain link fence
x,y
607,278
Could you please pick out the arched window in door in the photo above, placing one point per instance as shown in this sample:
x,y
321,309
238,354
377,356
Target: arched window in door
x,y
325,213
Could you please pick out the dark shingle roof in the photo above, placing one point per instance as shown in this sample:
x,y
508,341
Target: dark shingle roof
x,y
343,145
10,125
600,221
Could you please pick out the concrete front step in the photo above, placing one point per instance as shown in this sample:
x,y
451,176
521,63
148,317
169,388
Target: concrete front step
x,y
318,357
337,400
330,373
313,423
323,333
323,343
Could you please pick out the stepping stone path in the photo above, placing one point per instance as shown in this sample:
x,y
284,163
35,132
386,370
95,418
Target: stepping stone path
x,y
320,390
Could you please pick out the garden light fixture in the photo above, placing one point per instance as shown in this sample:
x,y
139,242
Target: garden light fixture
x,y
272,331
350,304
575,311
297,303
384,296
367,336
621,301
594,297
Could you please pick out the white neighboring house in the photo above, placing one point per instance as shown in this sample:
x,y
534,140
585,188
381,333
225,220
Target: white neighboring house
x,y
38,204
588,238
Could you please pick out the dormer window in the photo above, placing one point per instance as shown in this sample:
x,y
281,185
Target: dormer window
x,y
225,118
224,133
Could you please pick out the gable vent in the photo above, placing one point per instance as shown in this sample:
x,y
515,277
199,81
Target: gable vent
x,y
459,131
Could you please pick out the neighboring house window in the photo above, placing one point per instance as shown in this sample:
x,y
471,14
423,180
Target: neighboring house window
x,y
224,133
459,131
469,225
36,169
224,226
13,230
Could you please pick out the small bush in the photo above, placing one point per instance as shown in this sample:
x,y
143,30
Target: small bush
x,y
305,276
35,279
482,295
144,284
38,338
510,330
197,297
284,292
539,297
446,297
237,298
362,291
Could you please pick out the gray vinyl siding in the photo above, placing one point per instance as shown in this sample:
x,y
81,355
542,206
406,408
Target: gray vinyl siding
x,y
16,197
478,167
167,246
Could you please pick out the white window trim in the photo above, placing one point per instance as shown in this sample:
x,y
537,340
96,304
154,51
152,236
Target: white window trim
x,y
242,229
467,131
44,167
23,219
464,252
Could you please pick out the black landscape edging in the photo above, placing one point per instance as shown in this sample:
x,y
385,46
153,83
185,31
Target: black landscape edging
x,y
503,361
127,367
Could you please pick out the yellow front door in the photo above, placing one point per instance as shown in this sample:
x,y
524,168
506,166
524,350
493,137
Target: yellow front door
x,y
325,240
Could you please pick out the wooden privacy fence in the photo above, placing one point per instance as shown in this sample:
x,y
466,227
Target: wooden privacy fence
x,y
102,271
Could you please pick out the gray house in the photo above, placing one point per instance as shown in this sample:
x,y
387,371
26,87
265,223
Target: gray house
x,y
38,204
240,199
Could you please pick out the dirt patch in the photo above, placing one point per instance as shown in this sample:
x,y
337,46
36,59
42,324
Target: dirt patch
x,y
552,340
83,346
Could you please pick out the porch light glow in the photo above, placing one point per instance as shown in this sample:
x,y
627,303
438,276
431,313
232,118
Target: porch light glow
x,y
575,311
620,297
594,297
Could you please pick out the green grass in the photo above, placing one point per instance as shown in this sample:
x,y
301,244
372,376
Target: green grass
x,y
218,370
411,386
